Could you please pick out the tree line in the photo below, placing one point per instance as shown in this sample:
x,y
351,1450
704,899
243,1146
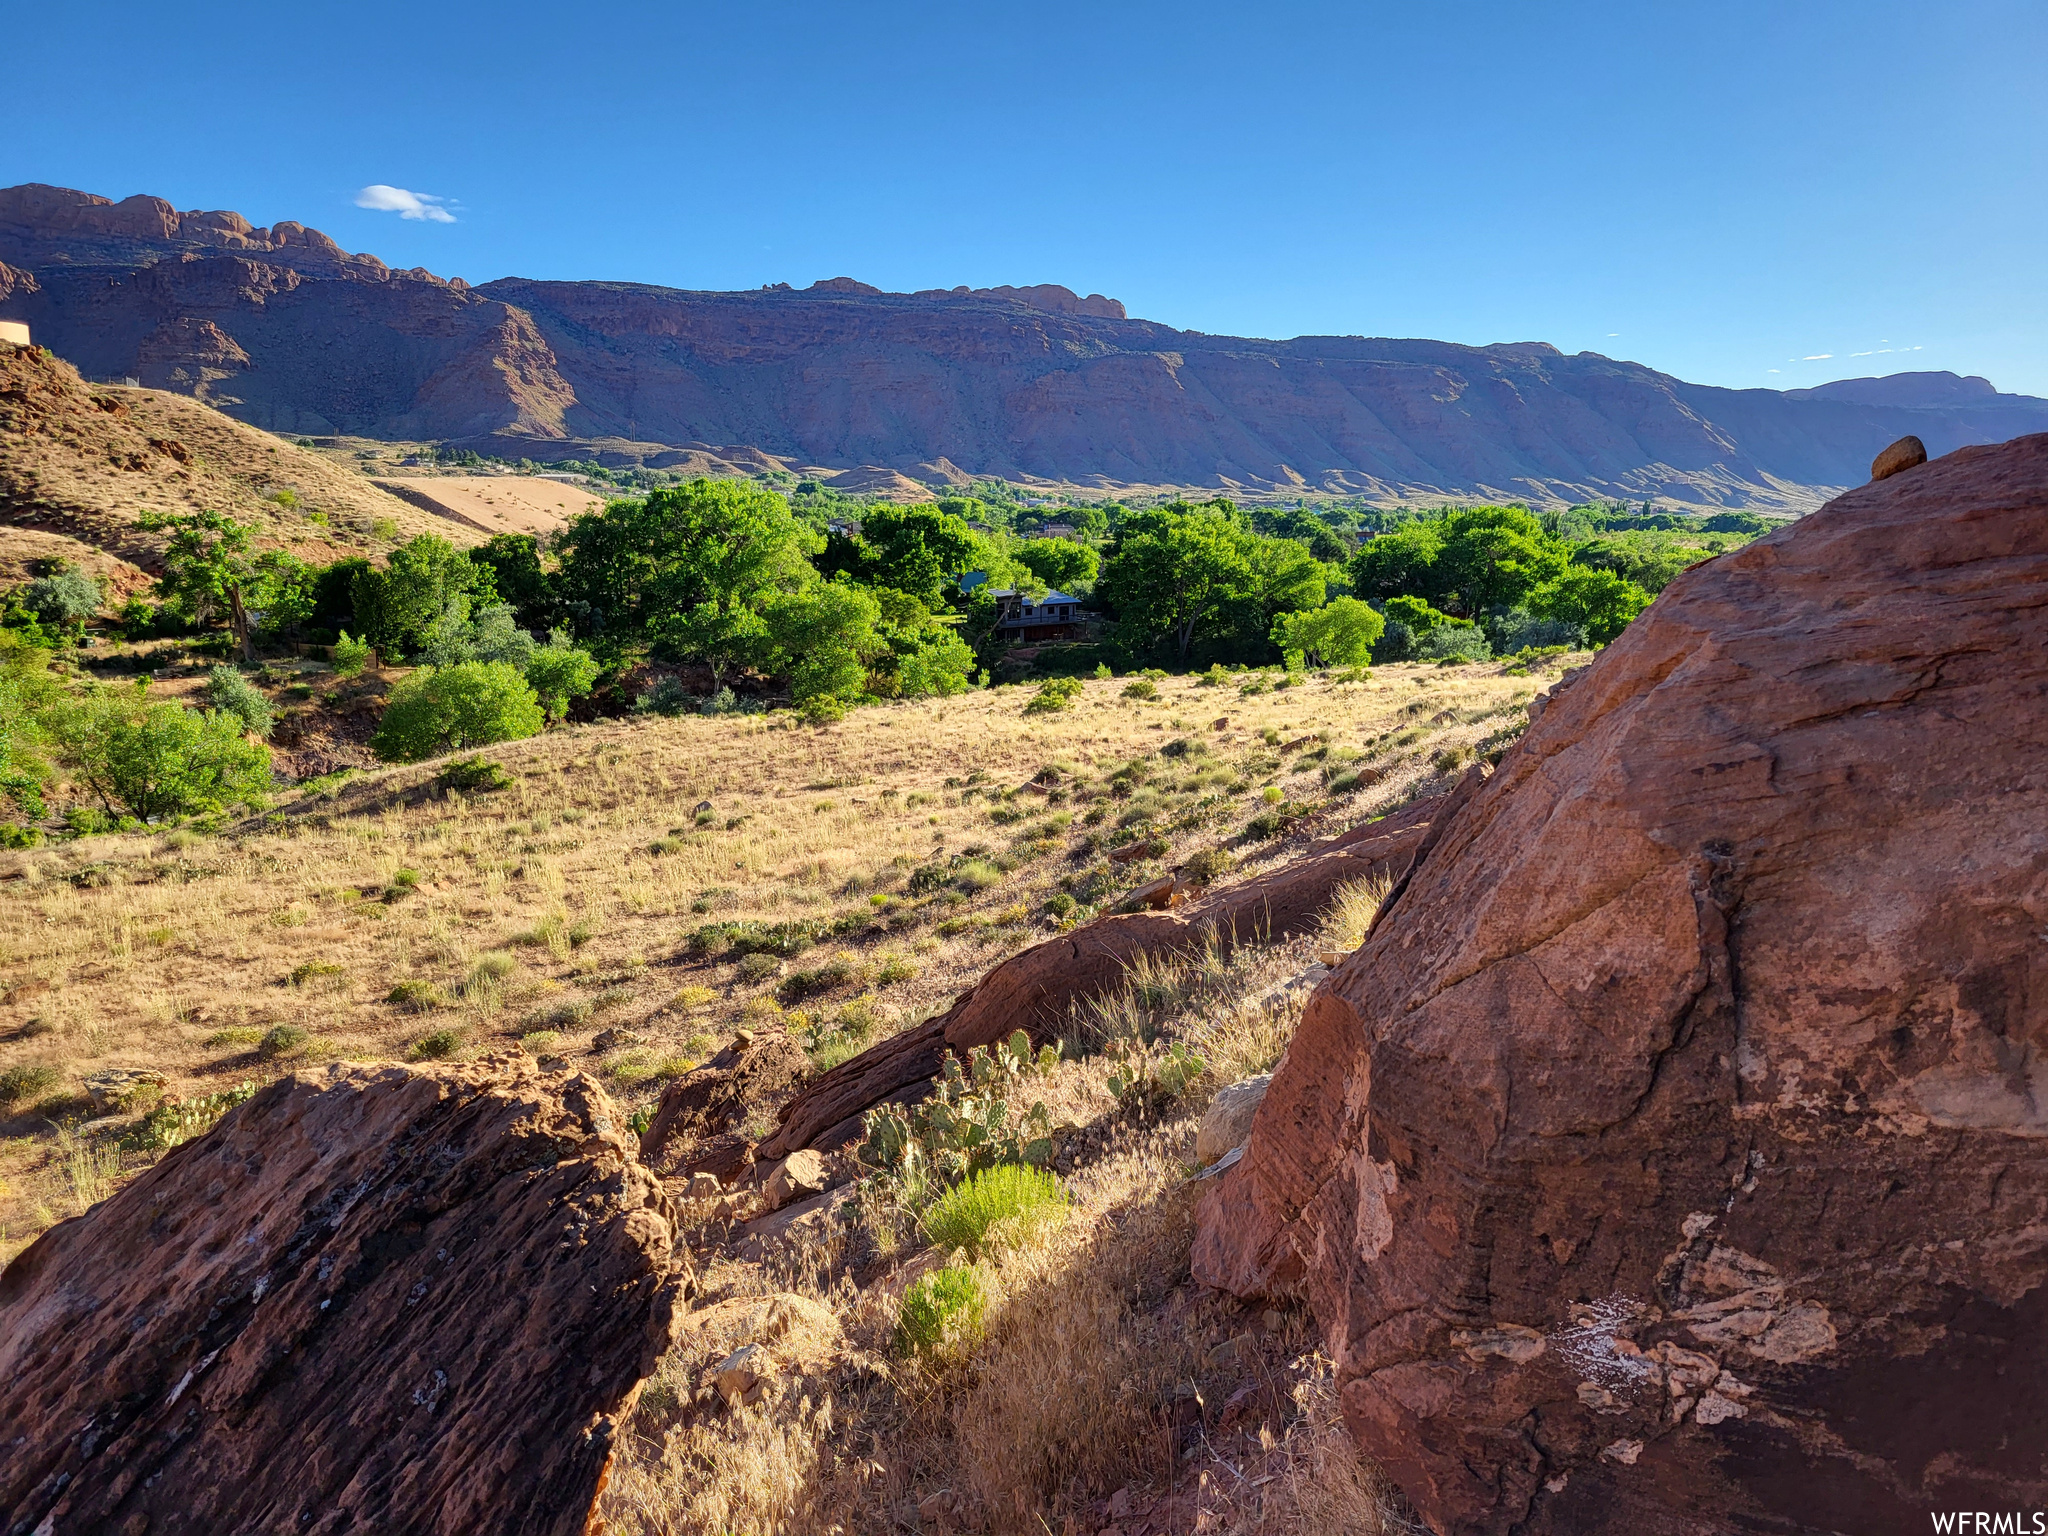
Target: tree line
x,y
735,583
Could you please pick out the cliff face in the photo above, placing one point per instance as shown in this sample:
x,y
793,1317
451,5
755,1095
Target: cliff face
x,y
285,330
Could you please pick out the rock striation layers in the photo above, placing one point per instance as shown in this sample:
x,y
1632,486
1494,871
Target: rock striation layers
x,y
284,330
371,1299
1673,1156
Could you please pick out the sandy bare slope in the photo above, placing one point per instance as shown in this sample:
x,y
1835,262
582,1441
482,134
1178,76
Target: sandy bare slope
x,y
496,503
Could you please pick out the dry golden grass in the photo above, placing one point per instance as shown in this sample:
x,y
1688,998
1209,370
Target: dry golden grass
x,y
564,903
496,503
1098,1370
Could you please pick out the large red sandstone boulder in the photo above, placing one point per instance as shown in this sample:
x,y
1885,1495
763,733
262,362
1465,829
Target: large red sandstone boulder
x,y
372,1299
1673,1157
1038,989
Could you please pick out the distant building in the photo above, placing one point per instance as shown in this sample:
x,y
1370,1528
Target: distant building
x,y
1056,531
1031,621
15,331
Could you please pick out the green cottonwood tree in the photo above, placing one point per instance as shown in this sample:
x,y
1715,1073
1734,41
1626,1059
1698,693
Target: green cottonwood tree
x,y
1176,573
445,709
1341,633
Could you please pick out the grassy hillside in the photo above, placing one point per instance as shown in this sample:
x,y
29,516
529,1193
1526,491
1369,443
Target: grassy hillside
x,y
566,901
80,462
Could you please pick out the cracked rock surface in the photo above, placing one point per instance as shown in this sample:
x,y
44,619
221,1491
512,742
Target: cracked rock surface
x,y
373,1298
1673,1155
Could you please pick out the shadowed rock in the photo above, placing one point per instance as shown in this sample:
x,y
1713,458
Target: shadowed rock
x,y
699,1126
374,1298
1672,1157
1038,990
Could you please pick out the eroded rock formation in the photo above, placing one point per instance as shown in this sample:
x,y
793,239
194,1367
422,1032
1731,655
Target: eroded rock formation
x,y
1673,1156
372,1299
1037,990
700,1124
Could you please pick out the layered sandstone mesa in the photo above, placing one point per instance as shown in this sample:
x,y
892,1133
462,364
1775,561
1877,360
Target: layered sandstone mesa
x,y
372,1299
1673,1157
1037,990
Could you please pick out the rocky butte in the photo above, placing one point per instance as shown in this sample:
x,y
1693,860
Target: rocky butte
x,y
285,330
1672,1157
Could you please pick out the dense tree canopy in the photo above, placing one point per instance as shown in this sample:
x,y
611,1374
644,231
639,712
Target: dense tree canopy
x,y
1060,563
629,569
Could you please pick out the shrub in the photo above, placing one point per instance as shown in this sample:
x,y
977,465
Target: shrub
x,y
19,1084
1454,643
158,760
1054,695
1141,688
1215,677
1520,630
416,996
312,970
444,709
233,694
473,775
977,875
1396,643
799,985
726,702
665,696
280,1040
948,1301
895,969
437,1045
964,1215
65,598
350,656
1205,865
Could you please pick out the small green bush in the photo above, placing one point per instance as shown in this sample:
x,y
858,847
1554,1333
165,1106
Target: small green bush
x,y
474,775
1054,695
313,970
280,1040
26,1084
1141,688
350,656
948,1301
667,696
437,1045
417,996
233,694
964,1215
977,875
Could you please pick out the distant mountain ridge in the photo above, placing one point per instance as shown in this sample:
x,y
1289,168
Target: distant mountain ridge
x,y
283,329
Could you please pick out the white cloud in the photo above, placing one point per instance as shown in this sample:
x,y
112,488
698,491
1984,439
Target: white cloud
x,y
1817,357
407,205
1770,370
1612,334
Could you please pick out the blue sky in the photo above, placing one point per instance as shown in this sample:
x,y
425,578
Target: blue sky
x,y
1743,194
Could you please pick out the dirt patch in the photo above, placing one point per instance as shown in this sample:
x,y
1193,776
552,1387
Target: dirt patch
x,y
497,503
